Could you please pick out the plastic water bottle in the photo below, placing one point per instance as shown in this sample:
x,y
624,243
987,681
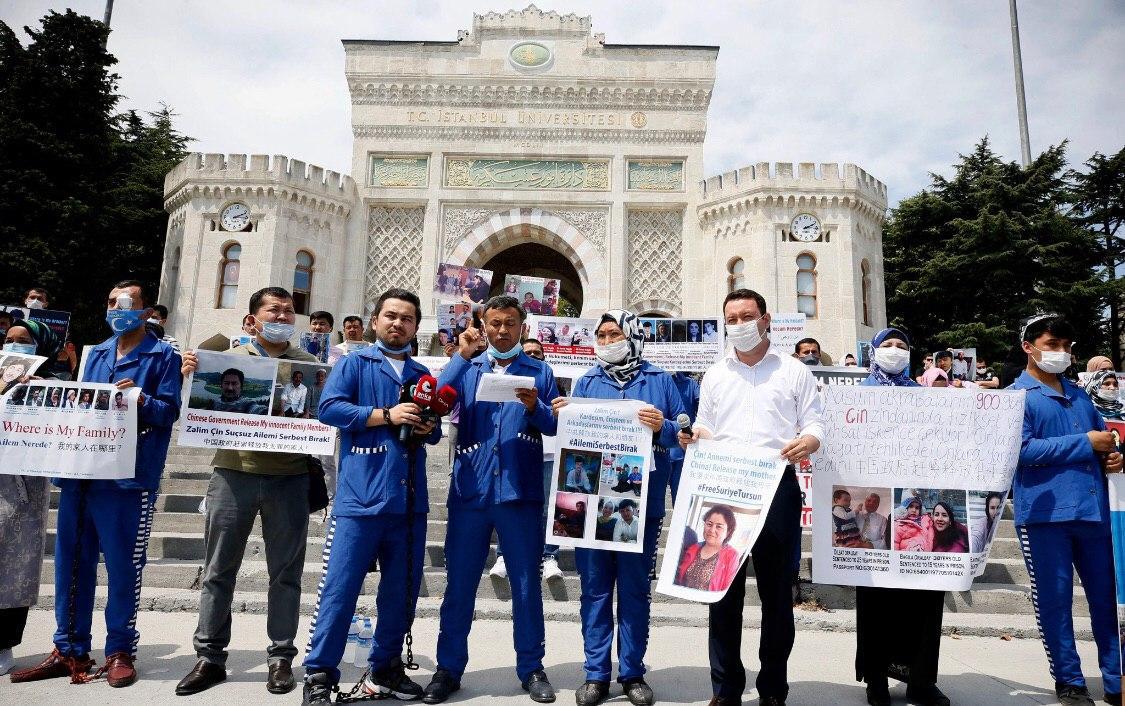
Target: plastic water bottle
x,y
353,638
363,644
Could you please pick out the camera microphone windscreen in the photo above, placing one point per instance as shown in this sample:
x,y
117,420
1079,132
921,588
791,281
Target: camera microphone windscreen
x,y
684,422
444,401
423,392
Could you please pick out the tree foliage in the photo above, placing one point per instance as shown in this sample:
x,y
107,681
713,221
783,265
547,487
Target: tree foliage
x,y
970,257
81,185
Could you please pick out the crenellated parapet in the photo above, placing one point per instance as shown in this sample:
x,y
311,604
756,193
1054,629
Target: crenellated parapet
x,y
778,184
289,179
530,19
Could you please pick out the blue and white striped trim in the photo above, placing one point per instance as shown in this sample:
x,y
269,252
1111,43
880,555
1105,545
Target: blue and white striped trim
x,y
140,557
657,448
1025,548
367,450
468,449
529,437
323,575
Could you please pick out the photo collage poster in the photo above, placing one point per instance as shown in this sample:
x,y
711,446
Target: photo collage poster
x,y
568,344
683,345
457,283
538,295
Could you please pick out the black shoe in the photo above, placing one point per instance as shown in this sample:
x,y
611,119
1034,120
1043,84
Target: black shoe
x,y
280,680
772,701
928,695
539,687
392,682
1071,695
878,694
591,693
638,693
1112,699
202,677
441,686
318,689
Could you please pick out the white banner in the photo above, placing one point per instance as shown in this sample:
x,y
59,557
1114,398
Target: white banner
x,y
725,494
251,403
77,430
683,345
568,344
599,487
785,331
911,483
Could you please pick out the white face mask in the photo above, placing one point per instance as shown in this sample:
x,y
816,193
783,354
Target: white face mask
x,y
892,360
1106,394
1053,362
34,304
612,353
745,337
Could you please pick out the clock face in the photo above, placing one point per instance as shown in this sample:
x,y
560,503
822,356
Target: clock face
x,y
235,217
806,228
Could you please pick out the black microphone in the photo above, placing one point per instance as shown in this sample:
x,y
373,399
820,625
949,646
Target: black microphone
x,y
407,395
684,423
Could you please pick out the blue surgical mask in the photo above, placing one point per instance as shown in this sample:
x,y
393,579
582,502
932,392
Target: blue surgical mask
x,y
20,348
124,320
277,332
512,353
393,351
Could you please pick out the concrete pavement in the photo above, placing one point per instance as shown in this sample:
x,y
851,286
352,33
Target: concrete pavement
x,y
974,670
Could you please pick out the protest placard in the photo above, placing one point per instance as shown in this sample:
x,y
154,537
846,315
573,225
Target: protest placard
x,y
725,493
600,476
453,318
75,430
895,504
538,295
837,375
785,331
16,366
568,344
1117,530
458,283
683,345
315,344
57,321
251,403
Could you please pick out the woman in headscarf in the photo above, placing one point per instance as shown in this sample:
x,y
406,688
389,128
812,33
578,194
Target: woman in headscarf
x,y
1103,392
879,611
1099,363
622,373
23,512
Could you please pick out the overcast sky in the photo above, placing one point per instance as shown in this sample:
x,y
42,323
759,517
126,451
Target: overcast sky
x,y
898,87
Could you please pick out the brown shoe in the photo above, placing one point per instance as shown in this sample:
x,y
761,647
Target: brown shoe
x,y
119,669
56,665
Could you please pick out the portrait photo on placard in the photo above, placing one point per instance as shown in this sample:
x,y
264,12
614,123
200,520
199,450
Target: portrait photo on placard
x,y
930,520
298,388
241,384
716,538
13,368
622,476
628,519
986,508
101,402
578,471
568,517
86,398
861,517
36,395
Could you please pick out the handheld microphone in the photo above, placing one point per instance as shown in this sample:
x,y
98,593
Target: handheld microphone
x,y
421,394
684,423
406,396
444,401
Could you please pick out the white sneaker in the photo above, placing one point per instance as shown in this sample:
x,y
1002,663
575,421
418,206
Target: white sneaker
x,y
498,569
551,568
6,661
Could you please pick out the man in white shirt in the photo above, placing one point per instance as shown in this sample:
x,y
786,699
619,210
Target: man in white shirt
x,y
770,401
627,524
294,395
872,525
576,480
353,340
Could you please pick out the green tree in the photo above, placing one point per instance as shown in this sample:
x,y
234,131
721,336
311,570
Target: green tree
x,y
971,256
80,184
1099,206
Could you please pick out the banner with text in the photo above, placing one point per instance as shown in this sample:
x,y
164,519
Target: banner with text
x,y
785,331
895,504
77,430
568,344
683,345
726,489
599,486
250,403
57,321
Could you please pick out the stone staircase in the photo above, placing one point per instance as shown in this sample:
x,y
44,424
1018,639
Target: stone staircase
x,y
999,603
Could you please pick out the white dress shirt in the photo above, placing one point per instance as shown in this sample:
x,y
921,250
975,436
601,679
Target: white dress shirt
x,y
293,398
766,405
873,528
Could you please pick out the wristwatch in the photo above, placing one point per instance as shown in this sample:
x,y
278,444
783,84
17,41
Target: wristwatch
x,y
387,415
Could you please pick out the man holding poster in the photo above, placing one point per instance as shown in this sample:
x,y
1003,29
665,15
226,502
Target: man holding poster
x,y
113,516
621,373
769,400
1062,510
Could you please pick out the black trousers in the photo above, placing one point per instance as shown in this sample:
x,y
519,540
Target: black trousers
x,y
12,622
774,574
881,649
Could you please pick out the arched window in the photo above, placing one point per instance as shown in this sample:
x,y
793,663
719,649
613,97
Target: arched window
x,y
865,283
302,282
736,277
806,285
228,276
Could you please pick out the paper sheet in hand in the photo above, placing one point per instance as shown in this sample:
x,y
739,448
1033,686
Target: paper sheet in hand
x,y
495,387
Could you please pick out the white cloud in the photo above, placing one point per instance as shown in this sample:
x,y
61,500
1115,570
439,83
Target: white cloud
x,y
897,87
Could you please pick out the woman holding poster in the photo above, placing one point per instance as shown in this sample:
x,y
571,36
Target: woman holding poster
x,y
621,373
879,611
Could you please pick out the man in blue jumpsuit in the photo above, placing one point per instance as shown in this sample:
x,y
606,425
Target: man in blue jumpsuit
x,y
497,483
370,517
1062,510
689,394
113,516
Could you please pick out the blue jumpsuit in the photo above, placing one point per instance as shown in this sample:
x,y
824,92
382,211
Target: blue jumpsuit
x,y
1062,519
369,514
497,483
602,569
115,516
689,393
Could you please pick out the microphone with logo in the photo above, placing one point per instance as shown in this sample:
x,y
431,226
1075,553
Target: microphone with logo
x,y
421,394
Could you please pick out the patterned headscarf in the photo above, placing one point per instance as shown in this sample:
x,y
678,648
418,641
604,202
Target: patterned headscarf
x,y
879,376
1105,408
623,372
47,344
